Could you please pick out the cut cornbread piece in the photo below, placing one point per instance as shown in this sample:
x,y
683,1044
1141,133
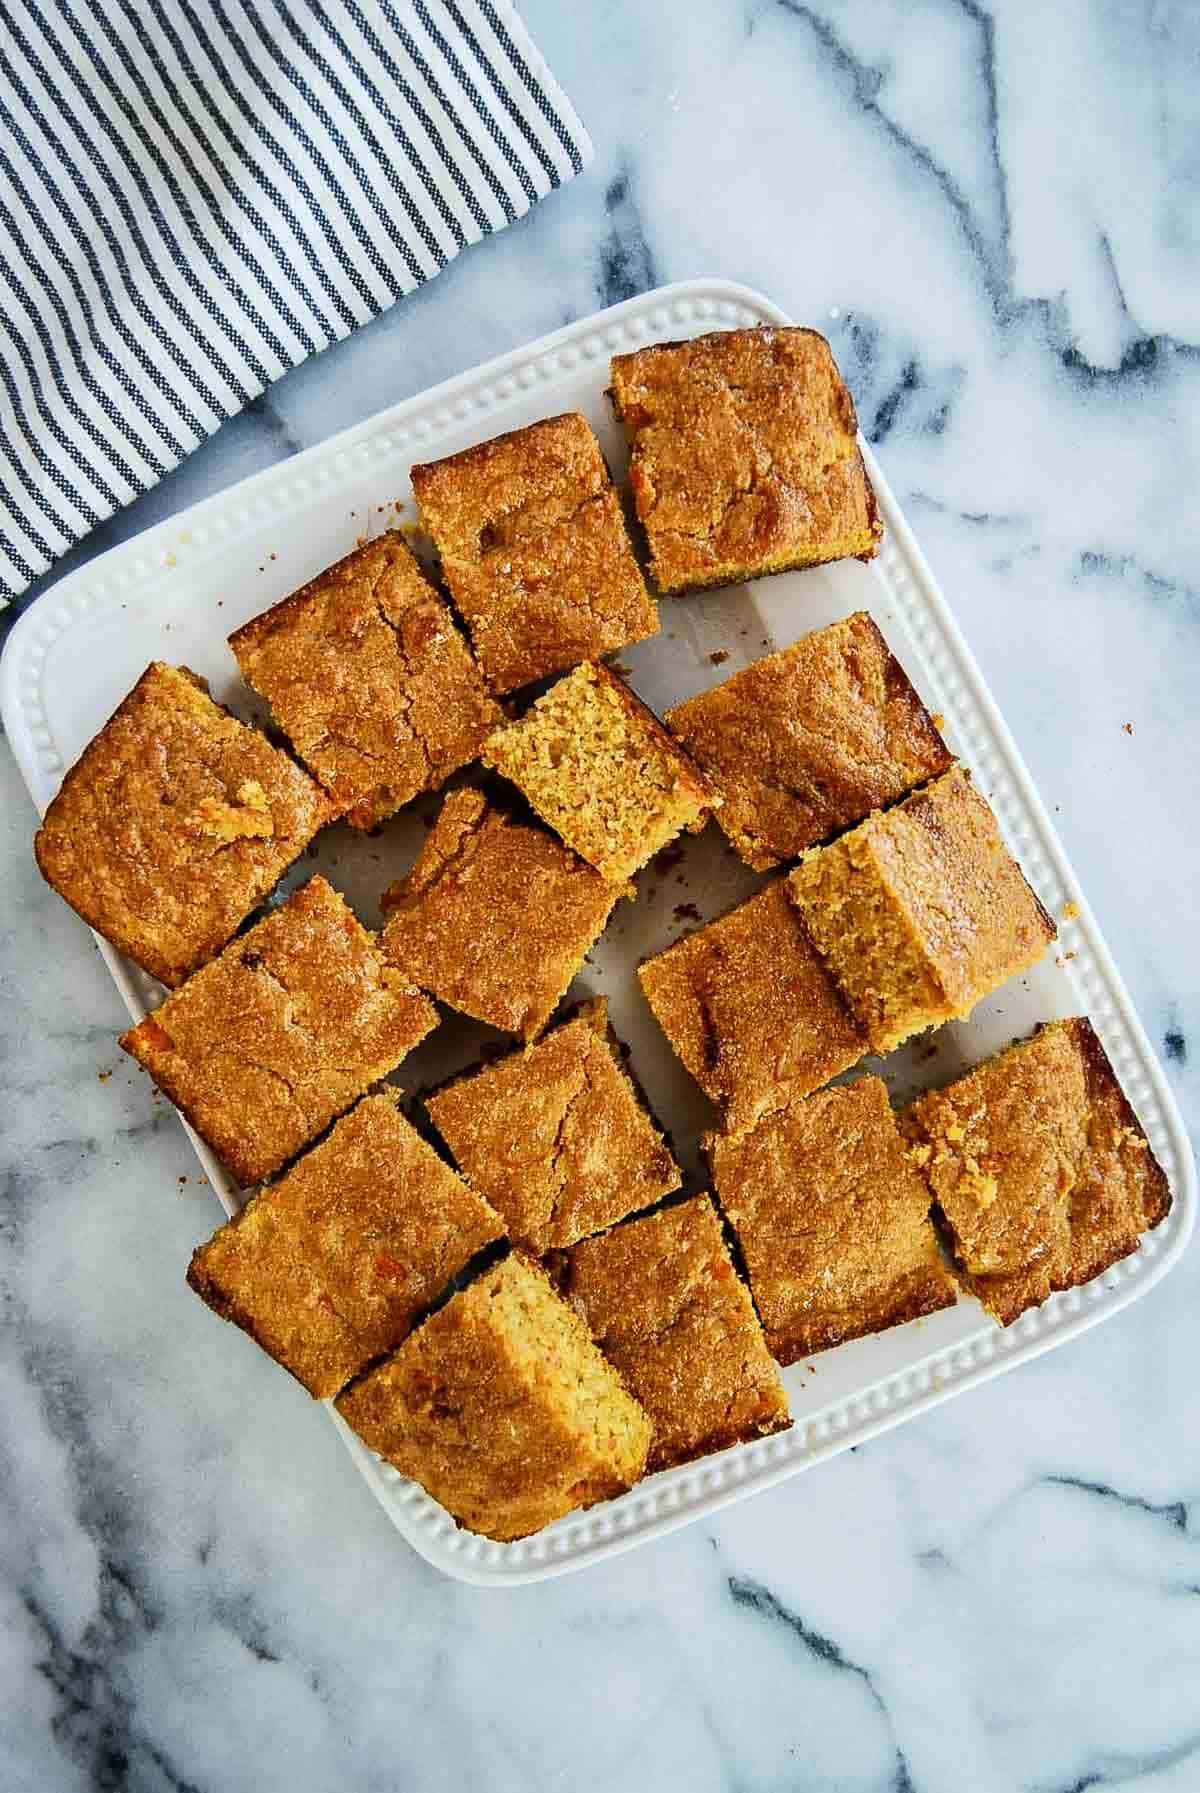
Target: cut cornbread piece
x,y
664,1303
496,916
921,911
600,768
297,1017
331,1266
832,1218
1039,1168
368,676
556,1136
502,1408
173,823
807,741
744,456
535,551
750,1009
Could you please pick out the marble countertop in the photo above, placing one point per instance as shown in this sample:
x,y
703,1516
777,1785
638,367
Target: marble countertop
x,y
999,227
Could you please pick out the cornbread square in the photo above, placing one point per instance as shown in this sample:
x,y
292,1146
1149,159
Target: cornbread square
x,y
496,916
297,1017
331,1266
805,742
173,823
502,1408
745,456
1039,1168
832,1218
921,911
600,768
535,551
664,1303
367,674
750,1009
556,1136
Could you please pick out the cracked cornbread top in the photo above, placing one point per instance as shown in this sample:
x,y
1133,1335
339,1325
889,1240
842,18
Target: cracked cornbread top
x,y
297,1017
173,823
744,456
535,551
556,1136
370,679
809,740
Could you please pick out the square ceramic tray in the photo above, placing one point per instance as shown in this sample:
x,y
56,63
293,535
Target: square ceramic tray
x,y
177,591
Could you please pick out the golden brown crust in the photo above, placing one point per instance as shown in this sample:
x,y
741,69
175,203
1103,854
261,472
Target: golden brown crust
x,y
832,1218
495,916
744,456
331,1266
809,740
264,1046
173,823
370,679
1039,1168
921,911
600,768
556,1136
664,1303
535,551
750,1009
502,1408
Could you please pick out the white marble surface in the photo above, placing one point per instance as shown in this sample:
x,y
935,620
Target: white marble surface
x,y
995,213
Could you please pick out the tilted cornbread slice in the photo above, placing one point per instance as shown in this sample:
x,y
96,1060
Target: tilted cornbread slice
x,y
502,1408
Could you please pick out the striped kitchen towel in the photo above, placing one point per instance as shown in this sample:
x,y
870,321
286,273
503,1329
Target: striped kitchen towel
x,y
197,194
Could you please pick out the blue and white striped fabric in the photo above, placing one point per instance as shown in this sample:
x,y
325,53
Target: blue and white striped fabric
x,y
197,194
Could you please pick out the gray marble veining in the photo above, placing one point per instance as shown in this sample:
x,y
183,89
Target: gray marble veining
x,y
994,212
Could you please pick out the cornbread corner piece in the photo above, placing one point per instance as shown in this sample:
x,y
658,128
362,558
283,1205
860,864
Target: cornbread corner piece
x,y
496,916
264,1046
1038,1167
331,1266
745,456
502,1408
366,672
600,768
173,823
750,1009
557,1136
664,1303
535,551
921,911
833,1220
807,741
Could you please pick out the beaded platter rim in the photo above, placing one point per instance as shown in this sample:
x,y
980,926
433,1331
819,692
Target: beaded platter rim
x,y
394,439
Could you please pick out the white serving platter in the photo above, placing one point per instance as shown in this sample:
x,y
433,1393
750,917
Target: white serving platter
x,y
175,593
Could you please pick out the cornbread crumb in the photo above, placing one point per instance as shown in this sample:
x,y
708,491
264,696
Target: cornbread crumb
x,y
502,1408
556,1136
368,676
496,916
173,823
535,551
744,456
809,740
750,1009
663,1301
1038,1167
921,911
599,767
264,1046
832,1218
329,1267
